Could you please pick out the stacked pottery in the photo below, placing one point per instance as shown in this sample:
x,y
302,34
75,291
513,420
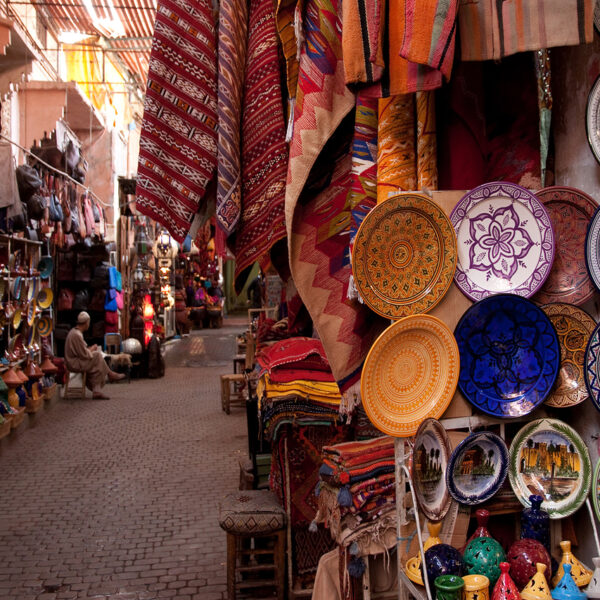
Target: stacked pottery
x,y
477,587
523,556
567,588
34,373
593,588
537,588
578,572
12,381
483,557
448,587
505,588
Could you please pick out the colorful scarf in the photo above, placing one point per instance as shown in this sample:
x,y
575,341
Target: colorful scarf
x,y
295,353
264,151
178,144
490,30
233,16
287,12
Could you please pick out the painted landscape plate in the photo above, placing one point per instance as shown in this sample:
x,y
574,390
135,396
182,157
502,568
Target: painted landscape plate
x,y
548,458
410,374
574,328
596,490
571,211
404,256
592,249
509,355
592,367
430,458
477,468
505,241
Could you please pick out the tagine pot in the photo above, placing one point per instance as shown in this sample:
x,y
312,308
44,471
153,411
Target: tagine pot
x,y
48,367
537,588
448,587
580,574
483,557
443,559
12,381
477,587
567,589
505,588
523,556
413,565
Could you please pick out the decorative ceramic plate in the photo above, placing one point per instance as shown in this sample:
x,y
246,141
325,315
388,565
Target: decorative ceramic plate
x,y
45,267
592,249
404,256
571,211
44,326
505,241
430,458
477,468
574,328
548,458
17,318
592,118
592,367
44,298
596,490
410,374
509,355
31,313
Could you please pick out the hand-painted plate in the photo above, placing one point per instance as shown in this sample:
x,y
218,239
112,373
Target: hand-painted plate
x,y
571,211
592,367
548,458
592,119
505,241
410,374
596,490
592,249
509,355
430,458
574,328
404,256
44,326
477,468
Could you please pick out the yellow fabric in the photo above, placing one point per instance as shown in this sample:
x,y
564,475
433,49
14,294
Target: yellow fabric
x,y
321,391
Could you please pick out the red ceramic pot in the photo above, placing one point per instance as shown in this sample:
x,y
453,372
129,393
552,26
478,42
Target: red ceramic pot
x,y
482,517
523,556
505,588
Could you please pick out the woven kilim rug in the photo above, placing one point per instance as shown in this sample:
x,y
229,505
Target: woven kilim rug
x,y
178,145
264,150
233,17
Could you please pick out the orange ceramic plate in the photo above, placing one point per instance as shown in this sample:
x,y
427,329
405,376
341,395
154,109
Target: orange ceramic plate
x,y
404,256
410,374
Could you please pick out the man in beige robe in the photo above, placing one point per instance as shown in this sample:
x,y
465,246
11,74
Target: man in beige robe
x,y
79,358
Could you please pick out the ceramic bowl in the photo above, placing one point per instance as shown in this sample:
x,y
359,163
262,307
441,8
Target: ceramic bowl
x,y
483,557
443,559
523,556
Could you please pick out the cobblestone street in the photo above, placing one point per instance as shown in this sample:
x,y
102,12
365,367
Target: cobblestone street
x,y
118,499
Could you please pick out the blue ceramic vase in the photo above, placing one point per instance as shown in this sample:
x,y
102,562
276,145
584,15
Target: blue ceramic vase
x,y
443,559
535,522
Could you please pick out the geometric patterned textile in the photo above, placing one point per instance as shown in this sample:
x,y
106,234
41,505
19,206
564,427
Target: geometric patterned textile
x,y
178,145
264,150
427,175
287,12
233,17
251,511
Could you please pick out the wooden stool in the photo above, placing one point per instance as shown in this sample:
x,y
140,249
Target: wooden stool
x,y
71,391
232,391
255,526
239,363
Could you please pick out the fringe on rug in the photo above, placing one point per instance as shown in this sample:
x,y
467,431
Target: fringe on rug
x,y
350,400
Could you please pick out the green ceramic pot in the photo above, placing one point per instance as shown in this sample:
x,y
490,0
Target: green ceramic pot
x,y
483,556
448,587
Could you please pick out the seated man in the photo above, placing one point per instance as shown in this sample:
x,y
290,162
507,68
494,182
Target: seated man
x,y
79,358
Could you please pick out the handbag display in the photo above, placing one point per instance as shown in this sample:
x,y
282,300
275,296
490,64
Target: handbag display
x,y
100,279
120,300
28,181
65,299
110,303
97,301
111,317
82,300
83,271
114,279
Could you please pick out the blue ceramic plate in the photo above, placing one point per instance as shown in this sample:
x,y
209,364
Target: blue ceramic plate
x,y
509,355
477,468
591,366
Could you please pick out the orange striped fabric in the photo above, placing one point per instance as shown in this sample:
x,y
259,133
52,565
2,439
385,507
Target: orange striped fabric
x,y
490,30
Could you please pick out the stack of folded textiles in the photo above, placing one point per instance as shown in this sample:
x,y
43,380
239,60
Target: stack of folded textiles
x,y
357,484
296,386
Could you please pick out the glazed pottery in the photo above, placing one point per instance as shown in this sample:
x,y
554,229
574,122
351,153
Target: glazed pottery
x,y
566,588
413,569
535,522
593,588
413,565
483,557
523,556
443,559
505,588
580,574
410,374
477,587
404,256
482,515
434,529
505,241
448,587
537,588
12,381
596,490
48,367
509,355
548,457
430,459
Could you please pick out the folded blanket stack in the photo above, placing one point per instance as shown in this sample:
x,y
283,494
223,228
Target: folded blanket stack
x,y
296,385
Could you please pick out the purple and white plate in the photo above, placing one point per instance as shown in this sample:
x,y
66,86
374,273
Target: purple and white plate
x,y
505,241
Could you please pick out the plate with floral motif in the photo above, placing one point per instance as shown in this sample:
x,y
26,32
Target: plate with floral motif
x,y
574,328
509,355
410,374
404,256
592,367
429,460
505,241
571,211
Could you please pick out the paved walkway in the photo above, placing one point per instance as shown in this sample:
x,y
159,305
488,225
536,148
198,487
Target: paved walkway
x,y
118,500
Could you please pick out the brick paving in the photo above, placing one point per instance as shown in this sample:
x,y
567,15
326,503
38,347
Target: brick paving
x,y
118,500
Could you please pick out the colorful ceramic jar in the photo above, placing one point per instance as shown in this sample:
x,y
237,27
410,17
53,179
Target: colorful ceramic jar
x,y
443,559
522,557
579,573
505,588
477,587
11,379
482,517
535,522
567,588
537,588
593,589
434,528
448,587
483,557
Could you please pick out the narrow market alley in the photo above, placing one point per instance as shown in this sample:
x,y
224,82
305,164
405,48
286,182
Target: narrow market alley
x,y
118,499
